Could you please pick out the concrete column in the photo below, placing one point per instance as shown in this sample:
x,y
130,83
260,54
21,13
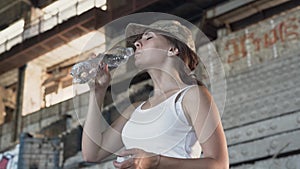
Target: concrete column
x,y
33,94
17,117
2,106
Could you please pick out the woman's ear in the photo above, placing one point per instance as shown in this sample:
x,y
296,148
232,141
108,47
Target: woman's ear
x,y
173,52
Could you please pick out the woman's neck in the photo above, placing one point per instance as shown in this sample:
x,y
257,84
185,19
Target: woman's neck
x,y
165,81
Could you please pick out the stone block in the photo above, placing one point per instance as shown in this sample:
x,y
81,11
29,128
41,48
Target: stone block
x,y
7,128
264,128
269,146
50,111
66,106
49,120
32,128
6,140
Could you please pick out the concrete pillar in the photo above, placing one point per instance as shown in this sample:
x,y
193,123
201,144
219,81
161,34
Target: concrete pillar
x,y
7,102
2,106
33,94
17,117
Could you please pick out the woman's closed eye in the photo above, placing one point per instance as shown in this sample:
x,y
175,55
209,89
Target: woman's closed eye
x,y
148,37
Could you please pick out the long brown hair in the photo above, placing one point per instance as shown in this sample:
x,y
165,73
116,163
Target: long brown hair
x,y
188,56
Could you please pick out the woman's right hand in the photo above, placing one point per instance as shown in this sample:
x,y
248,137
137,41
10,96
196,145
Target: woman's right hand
x,y
102,79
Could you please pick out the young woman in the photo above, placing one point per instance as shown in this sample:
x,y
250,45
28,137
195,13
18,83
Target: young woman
x,y
178,122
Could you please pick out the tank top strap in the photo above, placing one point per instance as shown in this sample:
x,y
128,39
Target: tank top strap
x,y
181,93
178,105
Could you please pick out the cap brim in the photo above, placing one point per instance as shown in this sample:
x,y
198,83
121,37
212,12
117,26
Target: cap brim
x,y
134,29
170,29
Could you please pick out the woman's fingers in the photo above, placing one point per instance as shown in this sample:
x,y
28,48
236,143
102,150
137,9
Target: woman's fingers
x,y
103,76
138,158
129,156
129,163
130,152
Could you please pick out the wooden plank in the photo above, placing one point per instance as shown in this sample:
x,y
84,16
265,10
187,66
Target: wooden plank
x,y
264,128
290,162
266,147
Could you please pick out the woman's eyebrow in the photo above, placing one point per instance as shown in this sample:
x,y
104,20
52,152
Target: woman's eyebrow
x,y
147,32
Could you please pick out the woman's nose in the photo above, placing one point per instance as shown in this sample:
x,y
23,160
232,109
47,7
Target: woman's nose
x,y
138,44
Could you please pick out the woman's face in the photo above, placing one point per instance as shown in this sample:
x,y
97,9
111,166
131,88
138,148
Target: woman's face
x,y
151,50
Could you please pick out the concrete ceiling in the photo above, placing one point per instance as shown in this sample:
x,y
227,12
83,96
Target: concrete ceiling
x,y
73,48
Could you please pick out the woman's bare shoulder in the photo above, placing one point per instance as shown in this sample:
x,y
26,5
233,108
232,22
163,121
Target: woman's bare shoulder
x,y
199,91
129,110
196,98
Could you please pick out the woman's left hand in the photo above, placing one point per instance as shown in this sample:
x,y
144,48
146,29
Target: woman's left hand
x,y
140,159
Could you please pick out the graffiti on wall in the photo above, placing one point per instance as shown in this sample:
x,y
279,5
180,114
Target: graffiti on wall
x,y
286,30
9,159
278,36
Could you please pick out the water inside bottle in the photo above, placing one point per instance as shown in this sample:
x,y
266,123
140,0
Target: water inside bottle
x,y
84,71
116,56
113,61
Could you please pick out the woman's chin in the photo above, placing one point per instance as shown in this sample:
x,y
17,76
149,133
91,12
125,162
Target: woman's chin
x,y
138,64
141,66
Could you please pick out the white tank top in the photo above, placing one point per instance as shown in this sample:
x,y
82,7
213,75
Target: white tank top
x,y
162,129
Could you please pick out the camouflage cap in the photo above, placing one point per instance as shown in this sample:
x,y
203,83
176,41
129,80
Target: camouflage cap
x,y
170,27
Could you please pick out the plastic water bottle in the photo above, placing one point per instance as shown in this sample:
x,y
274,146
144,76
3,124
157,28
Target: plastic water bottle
x,y
83,72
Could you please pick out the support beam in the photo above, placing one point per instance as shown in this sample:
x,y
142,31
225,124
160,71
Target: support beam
x,y
226,7
236,10
17,117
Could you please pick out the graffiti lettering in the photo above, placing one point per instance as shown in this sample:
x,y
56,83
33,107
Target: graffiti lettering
x,y
284,31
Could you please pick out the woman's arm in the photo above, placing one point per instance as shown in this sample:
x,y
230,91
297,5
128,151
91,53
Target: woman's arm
x,y
94,126
99,140
207,124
